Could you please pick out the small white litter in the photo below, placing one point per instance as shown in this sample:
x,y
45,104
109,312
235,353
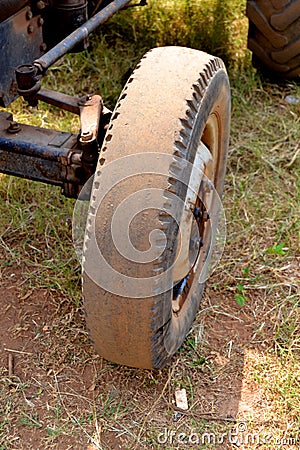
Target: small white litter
x,y
292,100
181,399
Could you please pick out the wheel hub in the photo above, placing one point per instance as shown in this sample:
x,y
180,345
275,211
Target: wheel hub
x,y
190,240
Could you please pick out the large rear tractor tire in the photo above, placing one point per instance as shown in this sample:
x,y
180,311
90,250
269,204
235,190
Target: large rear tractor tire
x,y
155,193
274,36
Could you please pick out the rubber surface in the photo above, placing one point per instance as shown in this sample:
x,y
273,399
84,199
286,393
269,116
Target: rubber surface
x,y
274,36
163,108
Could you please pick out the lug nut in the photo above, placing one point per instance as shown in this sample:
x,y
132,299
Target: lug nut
x,y
14,127
30,29
206,216
41,5
29,15
197,213
86,136
85,99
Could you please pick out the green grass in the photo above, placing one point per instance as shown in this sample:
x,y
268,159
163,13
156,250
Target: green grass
x,y
78,397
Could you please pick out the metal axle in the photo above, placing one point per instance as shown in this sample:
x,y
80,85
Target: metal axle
x,y
55,157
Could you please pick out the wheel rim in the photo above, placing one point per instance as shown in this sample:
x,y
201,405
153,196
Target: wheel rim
x,y
199,199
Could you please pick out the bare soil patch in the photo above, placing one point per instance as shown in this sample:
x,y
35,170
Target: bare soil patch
x,y
59,394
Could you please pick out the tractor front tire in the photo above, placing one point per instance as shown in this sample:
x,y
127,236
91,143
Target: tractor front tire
x,y
172,120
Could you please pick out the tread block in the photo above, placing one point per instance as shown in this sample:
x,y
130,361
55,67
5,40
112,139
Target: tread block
x,y
263,56
278,4
285,18
287,53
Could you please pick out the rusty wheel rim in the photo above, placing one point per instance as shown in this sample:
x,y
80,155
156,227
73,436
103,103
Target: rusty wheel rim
x,y
207,155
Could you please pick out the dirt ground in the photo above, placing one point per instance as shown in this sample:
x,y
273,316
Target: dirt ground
x,y
58,393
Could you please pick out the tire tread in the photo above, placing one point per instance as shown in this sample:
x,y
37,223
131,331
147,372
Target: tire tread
x,y
274,35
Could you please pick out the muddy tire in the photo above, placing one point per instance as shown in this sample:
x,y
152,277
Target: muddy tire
x,y
274,36
173,111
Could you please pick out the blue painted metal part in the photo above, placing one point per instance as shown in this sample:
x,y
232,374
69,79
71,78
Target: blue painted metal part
x,y
21,147
39,154
179,287
31,152
29,167
20,42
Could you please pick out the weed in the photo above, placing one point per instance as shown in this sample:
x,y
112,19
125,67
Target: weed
x,y
30,420
277,249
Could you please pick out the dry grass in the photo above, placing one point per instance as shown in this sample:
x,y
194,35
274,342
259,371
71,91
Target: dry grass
x,y
239,363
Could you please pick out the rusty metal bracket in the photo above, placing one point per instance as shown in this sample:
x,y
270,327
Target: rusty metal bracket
x,y
38,154
55,157
90,108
